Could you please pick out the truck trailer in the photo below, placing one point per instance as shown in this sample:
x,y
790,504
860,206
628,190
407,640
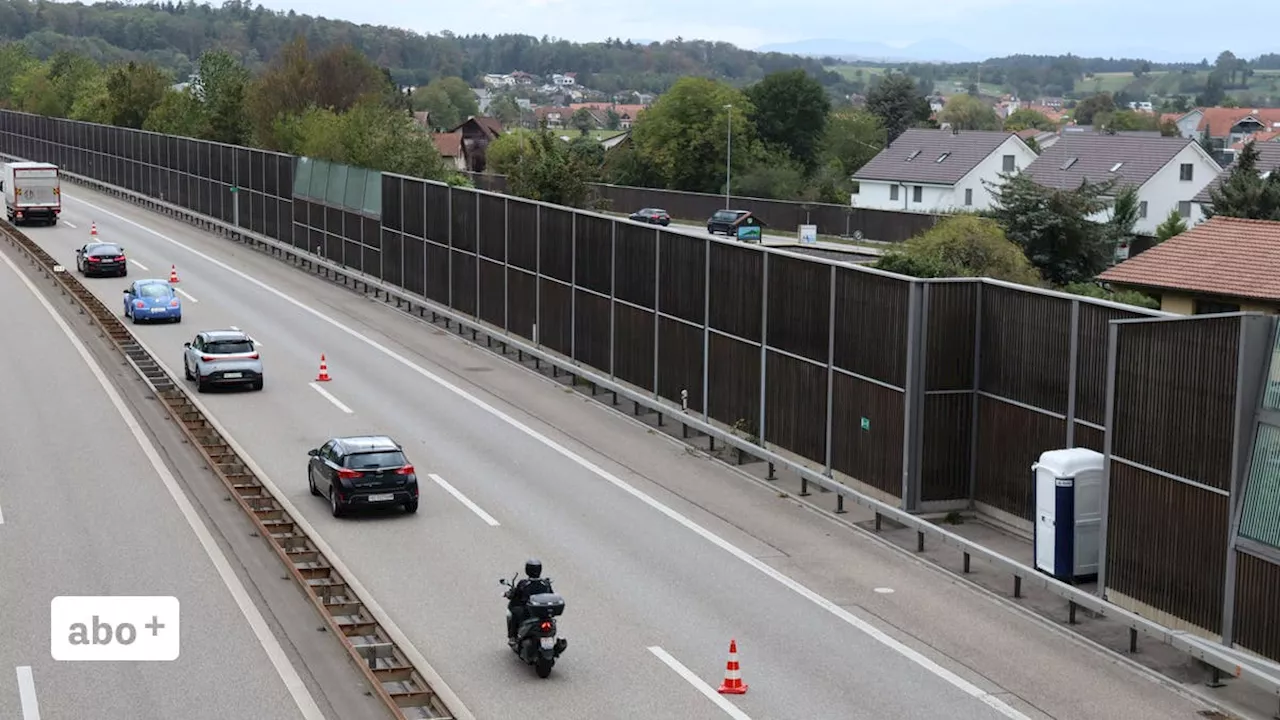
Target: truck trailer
x,y
32,192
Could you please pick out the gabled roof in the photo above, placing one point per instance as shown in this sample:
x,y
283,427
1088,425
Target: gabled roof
x,y
448,144
1094,157
1268,159
491,126
1220,120
918,156
1225,256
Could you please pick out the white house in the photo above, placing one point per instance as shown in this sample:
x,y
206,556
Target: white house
x,y
1167,171
932,171
565,79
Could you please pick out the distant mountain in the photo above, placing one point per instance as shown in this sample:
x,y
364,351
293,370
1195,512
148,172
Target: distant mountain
x,y
923,51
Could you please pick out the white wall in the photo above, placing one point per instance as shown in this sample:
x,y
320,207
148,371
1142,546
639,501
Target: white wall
x,y
1189,123
876,195
1165,190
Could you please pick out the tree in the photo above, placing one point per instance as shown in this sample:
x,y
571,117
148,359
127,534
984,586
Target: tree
x,y
1125,120
790,110
964,112
550,173
15,60
1245,193
369,135
221,83
1088,107
177,113
134,89
684,136
286,87
1026,118
852,138
449,101
898,103
612,120
92,102
507,150
507,110
1124,215
1172,225
962,246
582,120
347,77
1053,227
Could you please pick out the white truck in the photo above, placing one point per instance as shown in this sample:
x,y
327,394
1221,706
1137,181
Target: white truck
x,y
32,192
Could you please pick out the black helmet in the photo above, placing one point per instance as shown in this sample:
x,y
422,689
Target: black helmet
x,y
533,568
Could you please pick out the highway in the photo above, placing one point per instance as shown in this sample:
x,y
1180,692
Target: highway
x,y
662,556
83,511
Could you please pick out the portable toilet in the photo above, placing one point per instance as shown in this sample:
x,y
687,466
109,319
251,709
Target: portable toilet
x,y
1068,521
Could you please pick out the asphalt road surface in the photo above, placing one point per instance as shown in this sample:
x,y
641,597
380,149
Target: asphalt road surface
x,y
662,556
84,512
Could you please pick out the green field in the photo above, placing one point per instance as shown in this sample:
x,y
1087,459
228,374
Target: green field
x,y
1157,83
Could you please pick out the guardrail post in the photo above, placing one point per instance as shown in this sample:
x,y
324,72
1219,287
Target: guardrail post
x,y
919,541
966,562
1017,586
1133,641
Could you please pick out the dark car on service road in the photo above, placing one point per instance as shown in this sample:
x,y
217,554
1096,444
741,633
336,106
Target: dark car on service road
x,y
726,221
101,260
654,216
362,472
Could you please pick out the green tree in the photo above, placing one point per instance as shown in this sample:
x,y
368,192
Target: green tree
x,y
15,60
772,174
898,102
1088,107
790,111
1245,193
285,87
1127,297
550,173
683,137
34,92
505,108
1125,121
93,102
852,138
221,84
177,113
962,246
1053,227
1124,213
506,151
1026,118
449,101
612,120
1172,225
964,112
134,89
582,120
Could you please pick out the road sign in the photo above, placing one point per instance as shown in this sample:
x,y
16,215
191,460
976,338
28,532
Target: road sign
x,y
866,423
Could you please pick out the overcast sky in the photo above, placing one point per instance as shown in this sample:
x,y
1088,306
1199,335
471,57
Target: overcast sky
x,y
988,28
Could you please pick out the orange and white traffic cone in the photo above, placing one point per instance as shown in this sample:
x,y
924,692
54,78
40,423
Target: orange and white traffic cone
x,y
93,229
733,684
324,370
173,274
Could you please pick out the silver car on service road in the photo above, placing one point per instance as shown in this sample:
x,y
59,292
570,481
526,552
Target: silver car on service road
x,y
220,358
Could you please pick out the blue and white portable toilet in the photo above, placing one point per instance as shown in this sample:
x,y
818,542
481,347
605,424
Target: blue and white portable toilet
x,y
1068,518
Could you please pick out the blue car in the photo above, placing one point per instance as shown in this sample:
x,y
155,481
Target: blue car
x,y
148,300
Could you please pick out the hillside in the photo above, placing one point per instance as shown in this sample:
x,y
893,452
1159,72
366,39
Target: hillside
x,y
173,34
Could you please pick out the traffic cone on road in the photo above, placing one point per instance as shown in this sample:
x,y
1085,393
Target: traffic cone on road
x,y
733,684
93,229
324,370
173,274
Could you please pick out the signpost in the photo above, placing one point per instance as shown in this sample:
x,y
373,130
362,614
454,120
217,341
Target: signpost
x,y
809,234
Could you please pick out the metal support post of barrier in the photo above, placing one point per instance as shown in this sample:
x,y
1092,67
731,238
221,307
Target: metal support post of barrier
x,y
879,521
1133,641
919,541
966,563
804,487
772,473
1017,586
840,505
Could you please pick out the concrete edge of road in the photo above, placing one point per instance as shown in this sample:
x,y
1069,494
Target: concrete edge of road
x,y
320,661
348,279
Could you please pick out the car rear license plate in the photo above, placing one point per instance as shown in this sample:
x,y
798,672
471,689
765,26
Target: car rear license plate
x,y
232,375
548,643
157,309
381,498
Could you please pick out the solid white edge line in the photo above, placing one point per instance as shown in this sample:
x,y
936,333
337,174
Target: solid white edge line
x,y
140,265
1,515
730,709
822,602
288,674
27,693
327,396
185,294
463,499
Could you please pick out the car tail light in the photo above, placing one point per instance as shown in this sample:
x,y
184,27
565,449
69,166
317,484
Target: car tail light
x,y
406,470
253,356
346,474
94,259
120,258
206,358
546,626
139,304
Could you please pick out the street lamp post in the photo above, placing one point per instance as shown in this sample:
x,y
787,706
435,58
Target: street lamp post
x,y
728,158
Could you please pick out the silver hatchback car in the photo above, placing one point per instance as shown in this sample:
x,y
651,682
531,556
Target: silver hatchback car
x,y
219,358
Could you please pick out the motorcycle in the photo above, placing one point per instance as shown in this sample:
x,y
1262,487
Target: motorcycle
x,y
536,642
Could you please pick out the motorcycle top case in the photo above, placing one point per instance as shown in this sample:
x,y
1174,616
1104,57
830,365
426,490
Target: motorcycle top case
x,y
546,605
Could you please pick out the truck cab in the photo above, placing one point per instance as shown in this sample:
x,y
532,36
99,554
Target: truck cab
x,y
32,192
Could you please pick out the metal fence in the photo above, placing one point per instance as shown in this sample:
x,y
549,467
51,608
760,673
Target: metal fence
x,y
784,216
933,394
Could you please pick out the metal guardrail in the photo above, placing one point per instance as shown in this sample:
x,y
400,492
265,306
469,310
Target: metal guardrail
x,y
1220,658
394,679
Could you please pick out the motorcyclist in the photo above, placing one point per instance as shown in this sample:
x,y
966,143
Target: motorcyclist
x,y
520,594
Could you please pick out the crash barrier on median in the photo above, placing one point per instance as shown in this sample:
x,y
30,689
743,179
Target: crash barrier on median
x,y
938,394
1224,661
398,680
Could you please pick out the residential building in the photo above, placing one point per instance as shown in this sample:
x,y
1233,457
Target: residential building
x,y
1222,265
1268,162
939,170
555,116
1167,172
564,80
477,132
495,80
523,78
627,114
1227,126
449,145
1041,138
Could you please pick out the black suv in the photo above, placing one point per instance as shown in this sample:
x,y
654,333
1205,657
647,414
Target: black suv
x,y
365,471
726,221
655,216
